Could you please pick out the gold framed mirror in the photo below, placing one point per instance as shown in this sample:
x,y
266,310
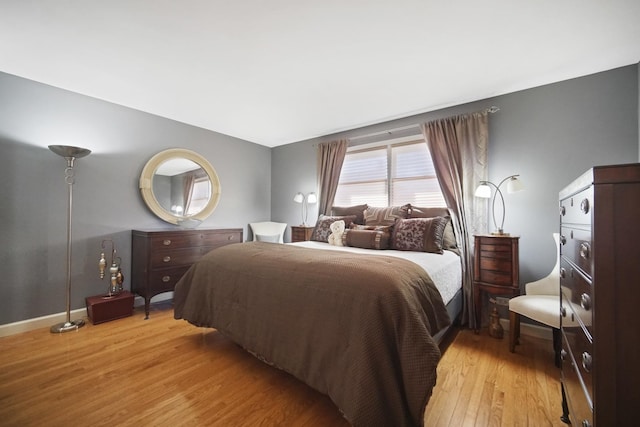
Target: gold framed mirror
x,y
180,187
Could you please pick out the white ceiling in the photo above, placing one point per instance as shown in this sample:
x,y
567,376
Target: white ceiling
x,y
280,71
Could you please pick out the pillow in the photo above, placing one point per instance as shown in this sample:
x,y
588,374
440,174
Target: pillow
x,y
388,228
367,239
419,234
449,241
322,229
385,216
357,210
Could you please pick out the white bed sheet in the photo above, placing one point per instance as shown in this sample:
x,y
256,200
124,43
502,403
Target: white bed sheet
x,y
444,269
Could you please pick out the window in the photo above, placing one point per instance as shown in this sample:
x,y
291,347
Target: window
x,y
389,175
200,195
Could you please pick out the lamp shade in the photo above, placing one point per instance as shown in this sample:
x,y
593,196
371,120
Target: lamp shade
x,y
312,198
298,198
514,185
483,191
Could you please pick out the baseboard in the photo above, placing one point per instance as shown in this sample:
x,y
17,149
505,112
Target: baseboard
x,y
531,330
53,319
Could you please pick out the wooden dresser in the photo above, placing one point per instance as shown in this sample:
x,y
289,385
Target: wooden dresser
x,y
159,258
301,233
600,287
496,268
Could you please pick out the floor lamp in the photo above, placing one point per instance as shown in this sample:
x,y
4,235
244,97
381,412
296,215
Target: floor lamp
x,y
70,154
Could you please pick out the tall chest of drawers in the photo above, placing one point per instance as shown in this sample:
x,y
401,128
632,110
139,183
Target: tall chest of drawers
x,y
600,288
159,258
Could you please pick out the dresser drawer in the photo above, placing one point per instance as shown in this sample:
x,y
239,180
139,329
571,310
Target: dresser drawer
x,y
192,239
165,280
576,245
577,208
174,258
577,293
582,349
578,399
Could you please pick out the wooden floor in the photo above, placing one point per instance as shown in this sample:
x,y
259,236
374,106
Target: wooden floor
x,y
164,372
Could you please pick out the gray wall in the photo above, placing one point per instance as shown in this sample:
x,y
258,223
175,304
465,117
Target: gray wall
x,y
107,202
549,135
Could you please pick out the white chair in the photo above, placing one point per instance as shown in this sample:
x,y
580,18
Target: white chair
x,y
268,231
541,303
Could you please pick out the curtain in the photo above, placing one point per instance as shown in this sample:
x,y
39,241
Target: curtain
x,y
458,146
330,159
188,183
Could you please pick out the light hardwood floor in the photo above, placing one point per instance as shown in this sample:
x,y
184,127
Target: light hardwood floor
x,y
164,372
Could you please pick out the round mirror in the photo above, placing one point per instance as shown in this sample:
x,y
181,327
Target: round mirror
x,y
180,186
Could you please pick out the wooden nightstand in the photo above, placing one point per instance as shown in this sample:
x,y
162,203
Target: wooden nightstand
x,y
496,269
301,233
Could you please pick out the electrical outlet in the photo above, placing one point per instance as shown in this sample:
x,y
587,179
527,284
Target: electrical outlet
x,y
502,301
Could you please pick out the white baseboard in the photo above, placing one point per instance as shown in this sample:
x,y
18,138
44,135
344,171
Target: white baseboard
x,y
53,319
528,329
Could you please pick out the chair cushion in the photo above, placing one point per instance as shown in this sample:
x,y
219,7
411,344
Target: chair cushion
x,y
541,308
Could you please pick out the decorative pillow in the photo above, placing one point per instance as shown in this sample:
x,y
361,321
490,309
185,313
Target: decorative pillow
x,y
419,234
358,211
449,241
367,239
387,228
322,229
385,216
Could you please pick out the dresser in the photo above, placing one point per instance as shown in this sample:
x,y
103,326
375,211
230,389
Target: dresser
x,y
159,258
496,268
600,288
301,233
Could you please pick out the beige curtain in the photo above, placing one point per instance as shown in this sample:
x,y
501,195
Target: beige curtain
x,y
188,183
330,159
458,146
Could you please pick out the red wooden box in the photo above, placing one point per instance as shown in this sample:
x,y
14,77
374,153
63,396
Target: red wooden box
x,y
103,308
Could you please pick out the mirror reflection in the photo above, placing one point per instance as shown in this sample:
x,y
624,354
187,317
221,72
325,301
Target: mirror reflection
x,y
181,187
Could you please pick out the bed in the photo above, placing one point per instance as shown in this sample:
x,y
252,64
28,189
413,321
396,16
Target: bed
x,y
358,325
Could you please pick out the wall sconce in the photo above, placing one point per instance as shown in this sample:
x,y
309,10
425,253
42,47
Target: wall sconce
x,y
484,191
311,198
70,154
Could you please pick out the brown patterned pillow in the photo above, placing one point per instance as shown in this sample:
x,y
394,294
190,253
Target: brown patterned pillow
x,y
419,234
385,216
358,211
322,229
387,228
367,239
449,241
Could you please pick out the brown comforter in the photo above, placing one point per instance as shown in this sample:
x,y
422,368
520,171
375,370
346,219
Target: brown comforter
x,y
355,327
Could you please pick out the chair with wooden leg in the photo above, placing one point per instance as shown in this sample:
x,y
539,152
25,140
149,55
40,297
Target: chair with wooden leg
x,y
541,303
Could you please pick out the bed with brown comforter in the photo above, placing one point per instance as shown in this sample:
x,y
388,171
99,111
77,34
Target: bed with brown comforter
x,y
355,327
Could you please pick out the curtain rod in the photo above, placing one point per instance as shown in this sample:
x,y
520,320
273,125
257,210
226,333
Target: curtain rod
x,y
491,110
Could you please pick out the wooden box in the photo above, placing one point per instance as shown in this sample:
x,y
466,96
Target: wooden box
x,y
102,308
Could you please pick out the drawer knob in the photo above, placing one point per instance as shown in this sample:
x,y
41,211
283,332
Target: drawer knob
x,y
166,242
563,354
584,250
230,237
563,210
587,361
585,301
584,206
166,278
563,240
563,311
563,273
586,423
166,259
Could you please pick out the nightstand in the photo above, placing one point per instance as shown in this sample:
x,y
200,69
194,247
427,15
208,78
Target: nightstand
x,y
301,233
496,269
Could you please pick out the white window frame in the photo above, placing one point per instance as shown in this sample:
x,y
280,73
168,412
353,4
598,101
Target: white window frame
x,y
390,144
